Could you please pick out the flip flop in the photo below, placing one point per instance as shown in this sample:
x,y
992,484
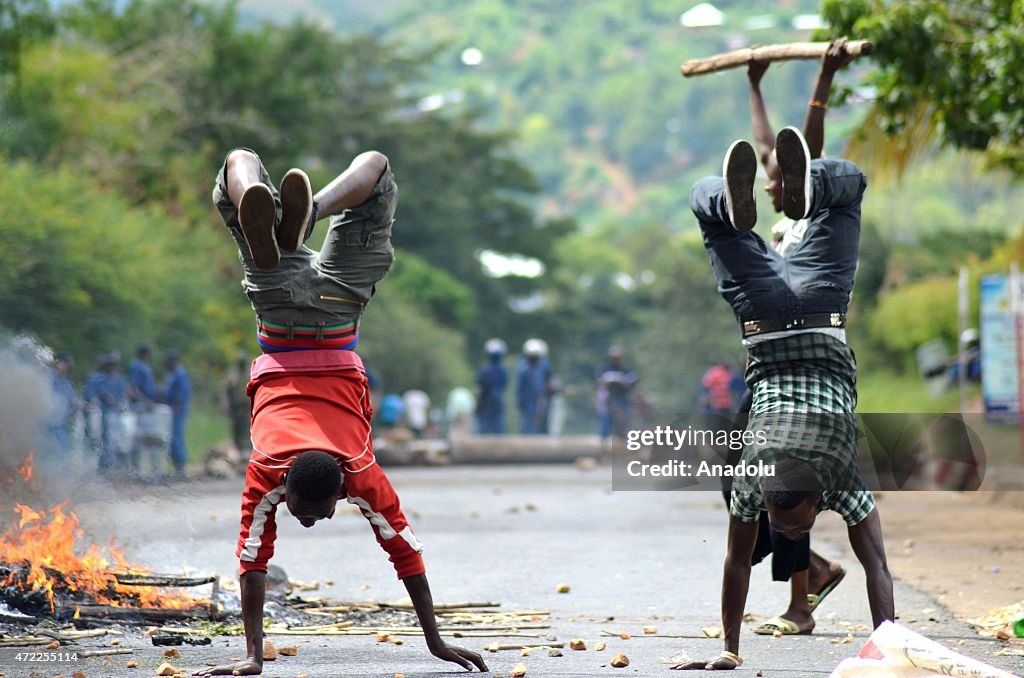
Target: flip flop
x,y
815,599
781,624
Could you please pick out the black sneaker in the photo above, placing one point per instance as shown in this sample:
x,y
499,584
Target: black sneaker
x,y
794,159
739,170
256,215
296,210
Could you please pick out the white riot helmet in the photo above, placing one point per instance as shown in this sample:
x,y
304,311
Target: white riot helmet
x,y
970,337
535,347
495,346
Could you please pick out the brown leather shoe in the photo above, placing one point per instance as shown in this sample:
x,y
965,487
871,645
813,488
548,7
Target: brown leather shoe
x,y
296,210
256,215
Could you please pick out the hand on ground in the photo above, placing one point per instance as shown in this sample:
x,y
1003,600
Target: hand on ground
x,y
467,659
249,667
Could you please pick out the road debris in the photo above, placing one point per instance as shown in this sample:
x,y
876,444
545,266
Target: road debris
x,y
269,651
132,664
288,651
599,647
712,631
562,588
554,652
895,650
518,671
620,661
1000,619
577,644
650,630
167,669
172,653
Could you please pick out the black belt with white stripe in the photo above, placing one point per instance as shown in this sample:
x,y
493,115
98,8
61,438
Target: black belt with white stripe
x,y
807,322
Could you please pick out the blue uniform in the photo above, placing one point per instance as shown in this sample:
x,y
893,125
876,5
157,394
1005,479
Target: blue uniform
x,y
178,394
532,395
108,392
490,408
140,376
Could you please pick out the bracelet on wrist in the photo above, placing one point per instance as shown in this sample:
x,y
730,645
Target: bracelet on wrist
x,y
733,656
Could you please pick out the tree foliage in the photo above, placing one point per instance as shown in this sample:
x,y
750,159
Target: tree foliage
x,y
958,60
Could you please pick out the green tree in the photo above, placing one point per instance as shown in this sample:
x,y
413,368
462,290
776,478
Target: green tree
x,y
951,66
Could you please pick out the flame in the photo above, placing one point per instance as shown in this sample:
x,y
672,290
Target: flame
x,y
26,468
43,545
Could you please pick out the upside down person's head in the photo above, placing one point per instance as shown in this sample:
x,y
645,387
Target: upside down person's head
x,y
312,485
791,497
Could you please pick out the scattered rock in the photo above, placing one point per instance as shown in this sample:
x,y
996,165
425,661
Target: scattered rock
x,y
562,588
53,645
531,507
554,652
649,630
759,673
289,651
383,637
166,669
599,647
1003,634
399,675
115,642
78,674
625,636
172,653
712,631
132,664
397,641
525,652
620,661
269,651
577,644
518,671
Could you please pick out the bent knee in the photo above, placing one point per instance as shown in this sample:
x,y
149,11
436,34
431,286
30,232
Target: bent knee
x,y
240,155
375,159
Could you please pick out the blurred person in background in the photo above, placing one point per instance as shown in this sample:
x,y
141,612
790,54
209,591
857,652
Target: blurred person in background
x,y
417,411
235,403
65,407
106,397
177,394
533,387
615,384
491,381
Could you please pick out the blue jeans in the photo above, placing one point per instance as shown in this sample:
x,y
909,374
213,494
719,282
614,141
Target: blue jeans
x,y
815,277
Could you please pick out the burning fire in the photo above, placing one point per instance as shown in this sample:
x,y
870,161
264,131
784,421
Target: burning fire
x,y
42,545
25,470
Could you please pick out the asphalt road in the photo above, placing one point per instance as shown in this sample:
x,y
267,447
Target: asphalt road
x,y
508,534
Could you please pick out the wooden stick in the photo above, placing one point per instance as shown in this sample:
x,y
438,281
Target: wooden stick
x,y
131,579
655,635
24,641
103,653
441,606
793,50
535,646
